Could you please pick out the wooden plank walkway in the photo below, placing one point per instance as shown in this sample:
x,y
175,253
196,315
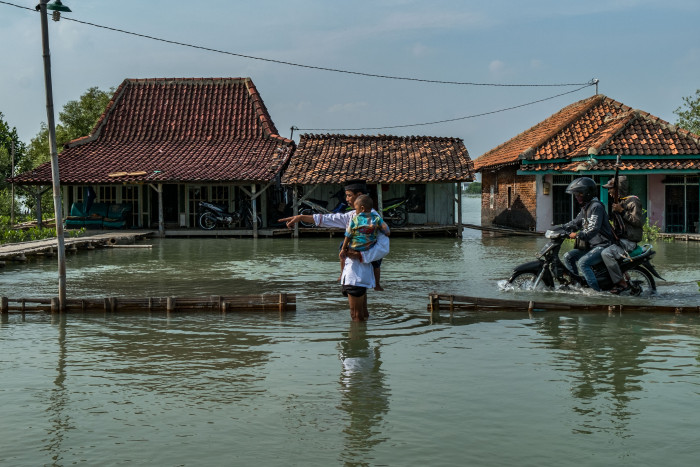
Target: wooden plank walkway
x,y
47,247
278,302
452,303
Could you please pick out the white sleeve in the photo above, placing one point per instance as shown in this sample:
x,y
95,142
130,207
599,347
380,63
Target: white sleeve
x,y
378,251
336,219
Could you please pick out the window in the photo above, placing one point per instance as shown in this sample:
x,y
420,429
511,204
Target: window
x,y
682,204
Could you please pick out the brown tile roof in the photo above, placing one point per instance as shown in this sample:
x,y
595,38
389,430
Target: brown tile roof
x,y
381,158
594,126
176,130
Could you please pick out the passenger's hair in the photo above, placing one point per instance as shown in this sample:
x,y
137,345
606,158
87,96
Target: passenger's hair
x,y
365,201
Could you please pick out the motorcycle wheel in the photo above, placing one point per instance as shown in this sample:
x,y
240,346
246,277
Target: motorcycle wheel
x,y
524,280
307,212
642,282
398,217
207,221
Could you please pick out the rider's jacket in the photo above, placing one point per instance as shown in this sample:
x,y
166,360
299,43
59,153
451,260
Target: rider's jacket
x,y
633,216
593,224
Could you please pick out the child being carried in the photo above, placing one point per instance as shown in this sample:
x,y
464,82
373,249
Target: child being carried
x,y
362,230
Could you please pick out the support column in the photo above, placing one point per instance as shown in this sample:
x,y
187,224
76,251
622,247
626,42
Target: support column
x,y
459,210
161,220
380,199
254,208
295,210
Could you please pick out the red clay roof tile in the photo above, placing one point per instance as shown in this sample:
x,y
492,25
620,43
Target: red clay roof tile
x,y
176,130
378,159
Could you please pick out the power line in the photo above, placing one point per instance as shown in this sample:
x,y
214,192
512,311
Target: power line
x,y
594,82
299,65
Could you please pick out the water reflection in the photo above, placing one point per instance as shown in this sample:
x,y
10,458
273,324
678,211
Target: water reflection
x,y
59,418
365,396
606,359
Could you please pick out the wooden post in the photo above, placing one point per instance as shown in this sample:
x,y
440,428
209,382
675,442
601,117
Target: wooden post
x,y
459,210
4,306
380,200
295,210
283,302
254,208
55,305
170,304
161,220
434,304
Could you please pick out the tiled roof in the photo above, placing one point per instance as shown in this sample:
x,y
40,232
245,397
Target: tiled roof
x,y
595,126
175,130
378,159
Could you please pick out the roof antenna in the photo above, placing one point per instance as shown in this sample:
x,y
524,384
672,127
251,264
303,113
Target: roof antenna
x,y
292,128
595,81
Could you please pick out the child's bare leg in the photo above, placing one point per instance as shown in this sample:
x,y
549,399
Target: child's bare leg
x,y
377,286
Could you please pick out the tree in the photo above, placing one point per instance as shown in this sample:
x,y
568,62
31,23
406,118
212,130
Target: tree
x,y
689,113
76,120
7,137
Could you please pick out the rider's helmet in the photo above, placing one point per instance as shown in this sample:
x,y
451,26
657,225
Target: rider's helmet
x,y
585,186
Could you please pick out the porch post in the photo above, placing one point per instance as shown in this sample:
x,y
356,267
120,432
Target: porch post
x,y
295,210
39,214
380,200
161,221
254,204
459,210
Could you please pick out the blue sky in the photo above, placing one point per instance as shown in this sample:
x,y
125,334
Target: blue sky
x,y
646,55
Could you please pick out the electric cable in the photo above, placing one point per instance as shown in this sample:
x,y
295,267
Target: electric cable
x,y
446,120
299,65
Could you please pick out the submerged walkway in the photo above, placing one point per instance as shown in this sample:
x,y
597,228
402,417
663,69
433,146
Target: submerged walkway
x,y
47,246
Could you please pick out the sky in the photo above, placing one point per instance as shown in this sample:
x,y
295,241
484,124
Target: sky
x,y
645,54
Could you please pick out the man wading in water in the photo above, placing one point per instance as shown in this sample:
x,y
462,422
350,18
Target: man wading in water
x,y
359,273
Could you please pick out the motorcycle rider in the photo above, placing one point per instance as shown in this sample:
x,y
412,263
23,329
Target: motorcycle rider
x,y
632,216
593,232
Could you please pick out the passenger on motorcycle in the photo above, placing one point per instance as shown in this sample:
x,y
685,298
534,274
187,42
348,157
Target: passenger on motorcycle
x,y
593,232
632,217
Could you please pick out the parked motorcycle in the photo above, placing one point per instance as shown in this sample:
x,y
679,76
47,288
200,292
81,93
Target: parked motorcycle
x,y
319,206
549,270
212,215
395,212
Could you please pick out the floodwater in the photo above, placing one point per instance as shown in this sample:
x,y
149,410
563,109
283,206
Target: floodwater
x,y
312,388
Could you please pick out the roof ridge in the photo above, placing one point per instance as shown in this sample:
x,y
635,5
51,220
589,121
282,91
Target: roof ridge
x,y
378,137
595,101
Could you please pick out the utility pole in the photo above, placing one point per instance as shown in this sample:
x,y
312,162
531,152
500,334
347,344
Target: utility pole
x,y
56,181
12,172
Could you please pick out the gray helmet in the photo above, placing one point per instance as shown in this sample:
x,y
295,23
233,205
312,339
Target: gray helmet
x,y
584,185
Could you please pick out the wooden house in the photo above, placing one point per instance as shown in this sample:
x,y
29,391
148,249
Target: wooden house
x,y
425,171
163,145
524,179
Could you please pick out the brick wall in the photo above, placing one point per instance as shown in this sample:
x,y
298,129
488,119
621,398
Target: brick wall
x,y
514,199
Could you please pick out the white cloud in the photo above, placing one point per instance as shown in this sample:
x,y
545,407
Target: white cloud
x,y
497,67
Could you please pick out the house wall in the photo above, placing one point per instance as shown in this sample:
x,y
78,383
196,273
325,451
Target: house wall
x,y
544,206
508,199
438,207
656,202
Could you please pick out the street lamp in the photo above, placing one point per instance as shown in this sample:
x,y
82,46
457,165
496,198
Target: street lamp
x,y
57,7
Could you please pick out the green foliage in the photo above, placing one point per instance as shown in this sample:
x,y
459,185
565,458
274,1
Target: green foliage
x,y
76,120
11,235
7,137
689,113
650,232
474,188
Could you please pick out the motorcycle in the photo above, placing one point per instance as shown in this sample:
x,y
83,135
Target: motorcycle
x,y
212,215
395,212
319,206
549,270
